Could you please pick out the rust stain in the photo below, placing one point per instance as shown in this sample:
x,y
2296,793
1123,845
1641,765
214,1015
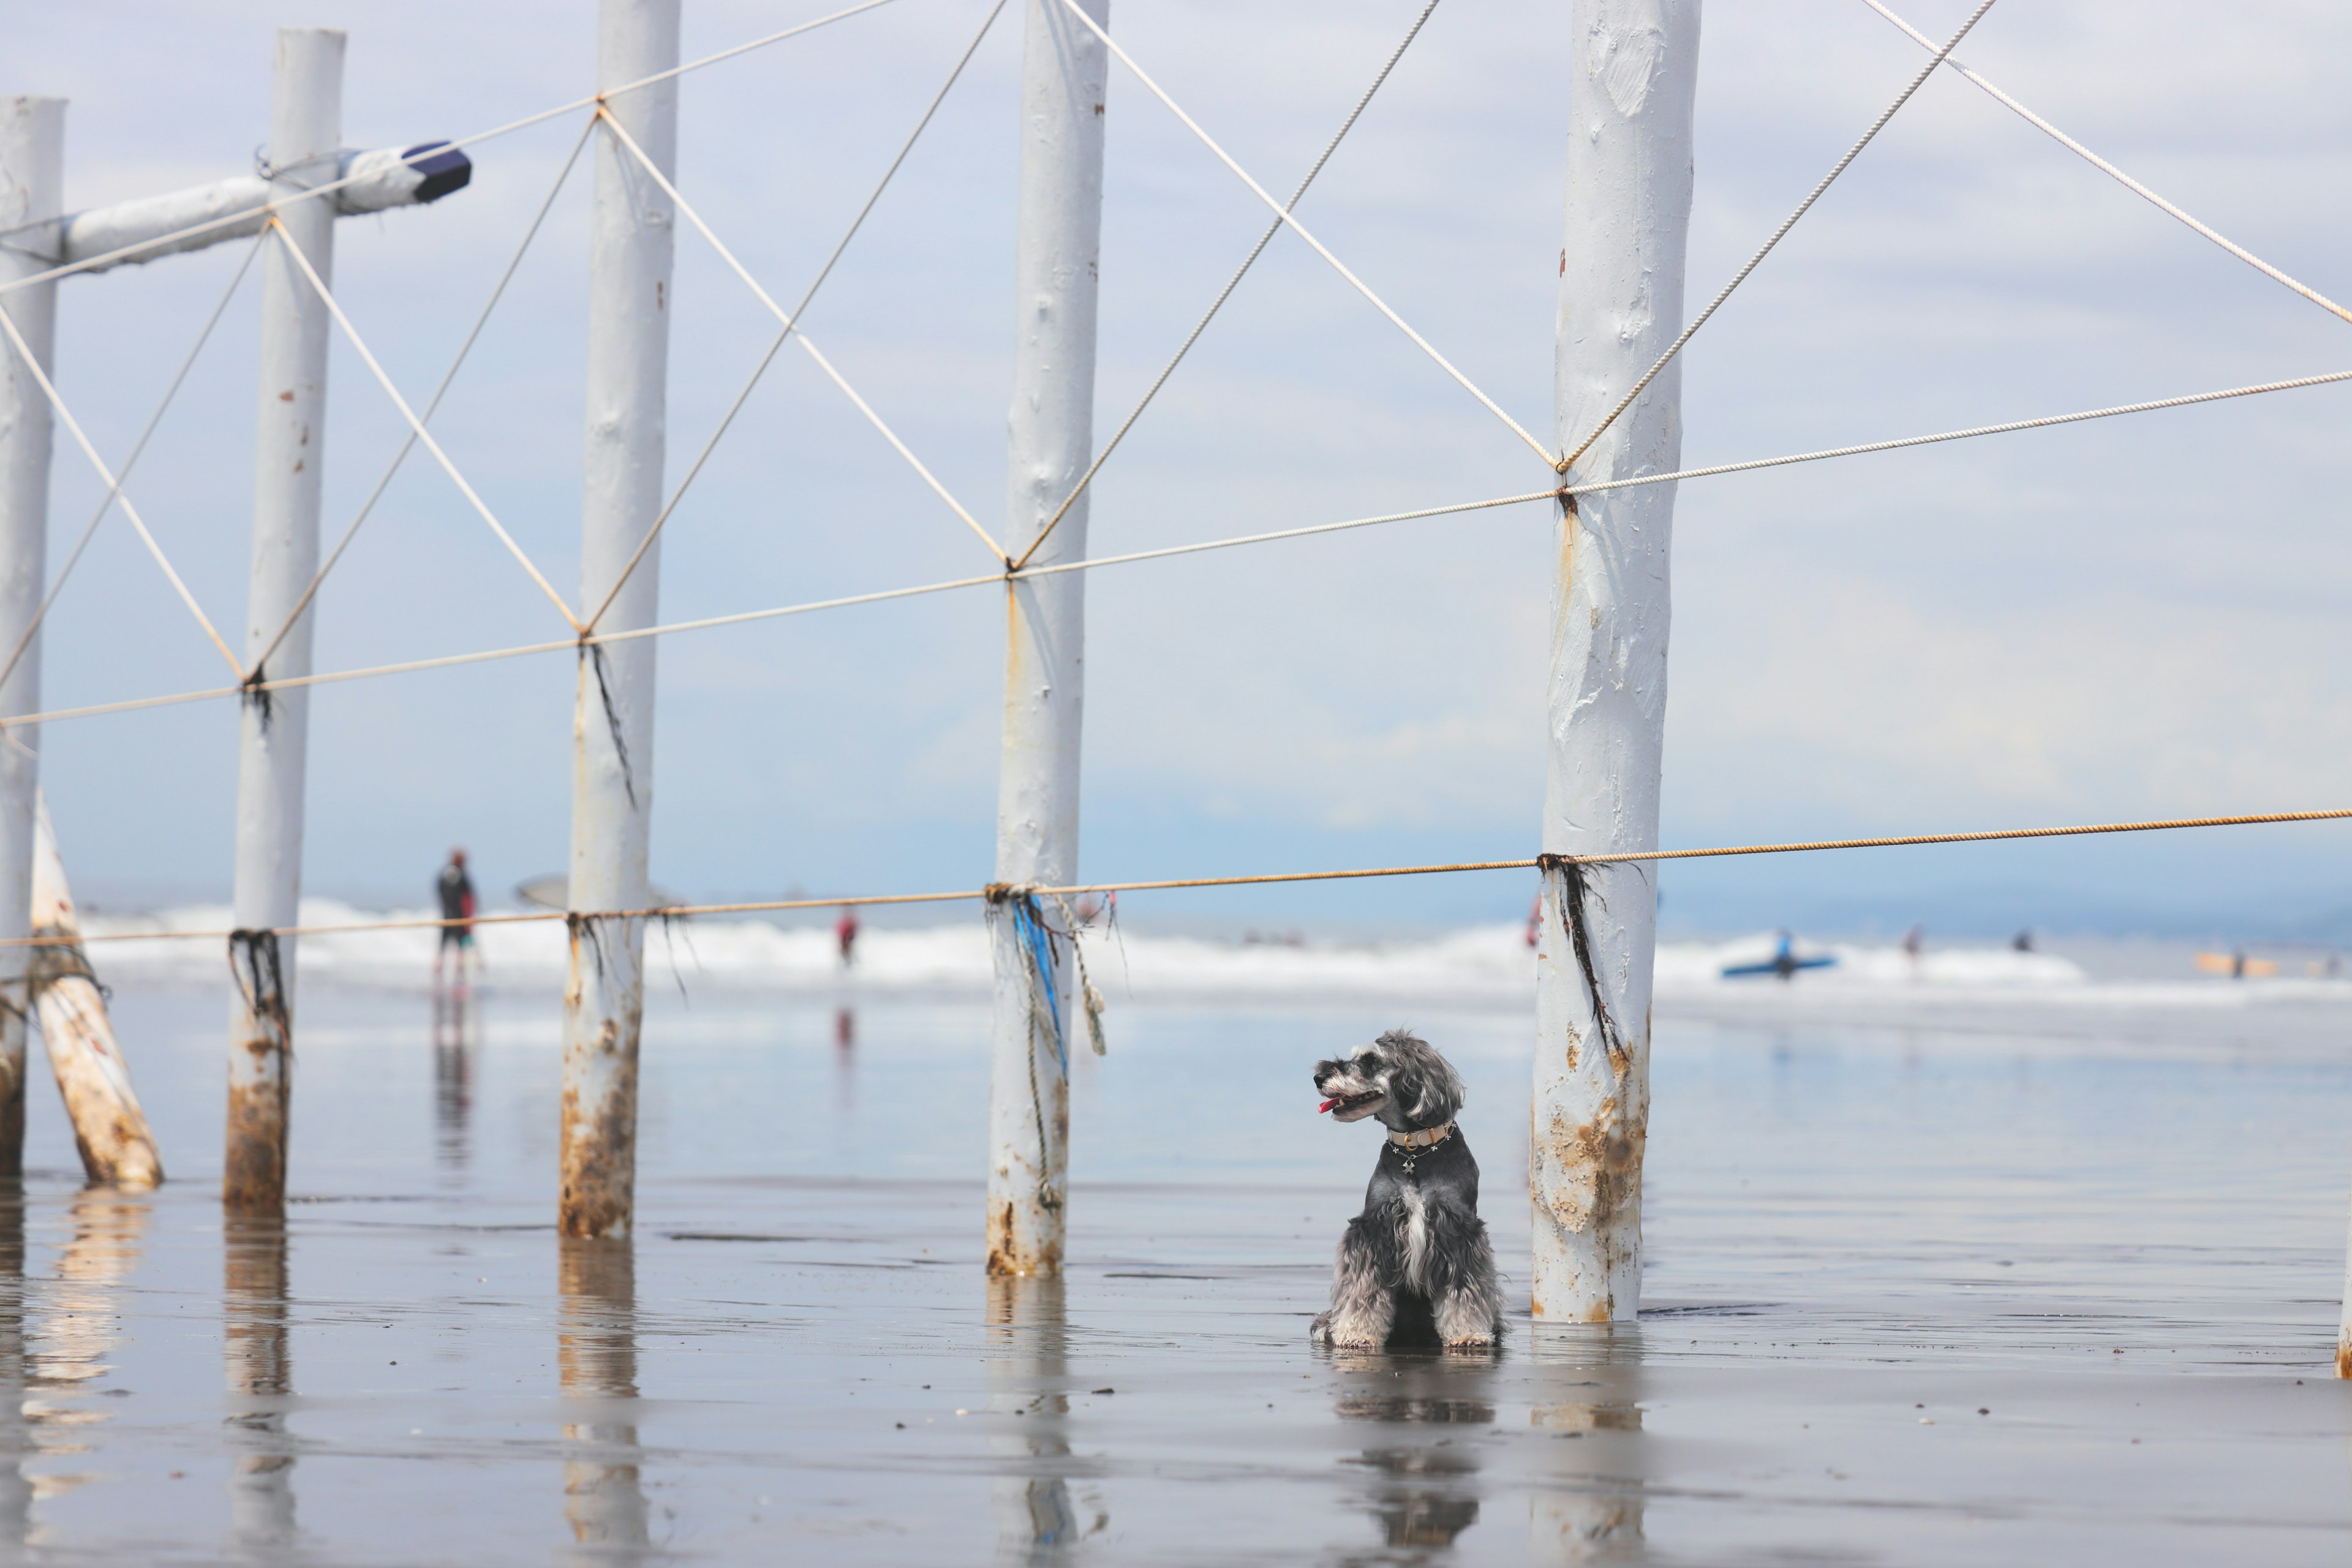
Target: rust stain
x,y
1598,1166
2343,1356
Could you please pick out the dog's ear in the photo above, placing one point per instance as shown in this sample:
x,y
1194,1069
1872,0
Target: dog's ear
x,y
1423,1085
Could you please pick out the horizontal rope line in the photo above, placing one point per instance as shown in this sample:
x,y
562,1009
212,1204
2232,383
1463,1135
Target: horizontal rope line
x,y
869,900
434,149
2044,423
447,661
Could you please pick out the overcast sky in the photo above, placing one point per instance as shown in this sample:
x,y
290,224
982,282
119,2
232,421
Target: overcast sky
x,y
2145,616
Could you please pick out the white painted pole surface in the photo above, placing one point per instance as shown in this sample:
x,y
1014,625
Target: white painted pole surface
x,y
1062,76
111,1130
305,137
1620,302
383,179
32,188
2344,1332
630,244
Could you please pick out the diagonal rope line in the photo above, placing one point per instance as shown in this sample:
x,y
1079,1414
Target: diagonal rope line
x,y
138,447
352,334
2045,422
1283,214
777,311
2239,251
776,347
228,219
114,487
1223,294
2075,830
742,617
1568,461
409,445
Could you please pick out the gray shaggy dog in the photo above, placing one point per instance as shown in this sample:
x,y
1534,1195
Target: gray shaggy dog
x,y
1415,1267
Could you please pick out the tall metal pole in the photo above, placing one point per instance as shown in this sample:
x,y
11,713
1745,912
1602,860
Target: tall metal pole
x,y
630,245
1621,303
1064,72
305,138
32,189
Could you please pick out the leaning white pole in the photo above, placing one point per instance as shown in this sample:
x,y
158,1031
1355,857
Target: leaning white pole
x,y
1063,71
1621,303
305,141
32,190
117,1148
630,243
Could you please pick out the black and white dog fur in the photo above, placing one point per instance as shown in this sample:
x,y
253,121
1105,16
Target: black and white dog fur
x,y
1415,1267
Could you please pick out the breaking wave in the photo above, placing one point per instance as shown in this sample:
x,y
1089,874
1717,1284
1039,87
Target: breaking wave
x,y
1484,966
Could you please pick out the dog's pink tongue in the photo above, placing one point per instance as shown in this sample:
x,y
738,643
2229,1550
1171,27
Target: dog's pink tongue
x,y
1325,1106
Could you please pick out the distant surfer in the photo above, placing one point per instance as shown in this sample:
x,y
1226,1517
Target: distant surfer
x,y
456,893
2023,941
844,932
1915,941
1535,923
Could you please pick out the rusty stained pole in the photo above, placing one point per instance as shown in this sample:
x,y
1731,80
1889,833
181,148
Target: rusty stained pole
x,y
1632,80
31,193
1063,73
630,244
305,141
117,1149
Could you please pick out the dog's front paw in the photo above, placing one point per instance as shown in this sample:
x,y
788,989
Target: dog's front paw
x,y
1476,1340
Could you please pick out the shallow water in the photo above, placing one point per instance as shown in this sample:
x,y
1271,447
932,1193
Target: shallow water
x,y
2024,1285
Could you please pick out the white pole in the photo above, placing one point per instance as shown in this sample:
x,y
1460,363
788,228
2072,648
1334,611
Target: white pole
x,y
630,243
109,1129
32,189
1063,76
305,138
1621,303
2344,1331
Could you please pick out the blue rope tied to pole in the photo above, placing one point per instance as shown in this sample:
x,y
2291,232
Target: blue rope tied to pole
x,y
1029,926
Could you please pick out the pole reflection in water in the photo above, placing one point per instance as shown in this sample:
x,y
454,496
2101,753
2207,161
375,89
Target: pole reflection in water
x,y
260,1376
1423,1470
1587,1396
77,1322
596,1361
456,1027
1037,1519
16,1445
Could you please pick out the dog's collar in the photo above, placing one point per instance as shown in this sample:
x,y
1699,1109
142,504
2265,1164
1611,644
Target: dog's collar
x,y
1422,1139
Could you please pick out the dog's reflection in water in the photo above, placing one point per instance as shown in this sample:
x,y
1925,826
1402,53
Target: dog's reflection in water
x,y
1432,1410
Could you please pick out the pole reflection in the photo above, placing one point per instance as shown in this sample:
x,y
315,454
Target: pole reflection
x,y
597,1364
260,1379
1422,1470
79,1319
1037,1519
1589,1502
16,1435
456,1027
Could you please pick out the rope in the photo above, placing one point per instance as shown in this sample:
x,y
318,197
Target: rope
x,y
726,420
645,163
113,485
433,403
415,424
2040,424
138,447
1283,214
430,150
2239,251
1619,857
1225,293
1089,997
883,595
1568,461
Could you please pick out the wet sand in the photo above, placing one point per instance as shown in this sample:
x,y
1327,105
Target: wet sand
x,y
1969,1294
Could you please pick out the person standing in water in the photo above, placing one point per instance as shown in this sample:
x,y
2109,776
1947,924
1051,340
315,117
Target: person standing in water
x,y
456,892
844,932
